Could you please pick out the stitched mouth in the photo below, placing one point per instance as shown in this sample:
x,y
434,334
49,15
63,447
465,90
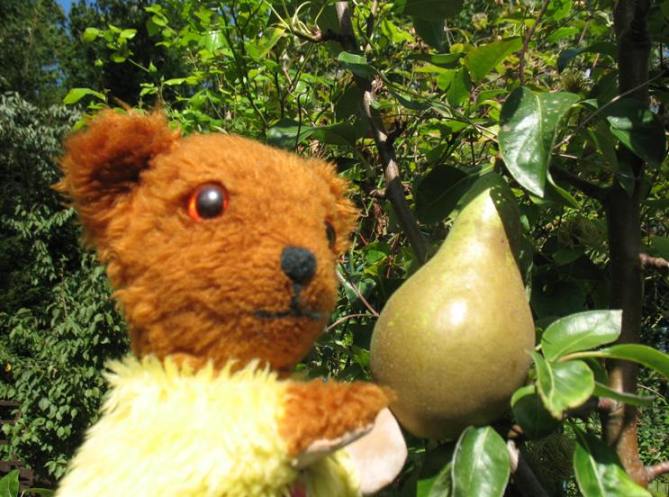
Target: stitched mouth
x,y
295,309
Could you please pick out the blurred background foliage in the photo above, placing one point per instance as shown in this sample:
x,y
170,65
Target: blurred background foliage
x,y
281,72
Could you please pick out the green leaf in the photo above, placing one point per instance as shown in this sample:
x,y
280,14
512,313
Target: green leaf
x,y
127,34
481,464
528,126
260,48
284,133
582,331
456,84
90,34
437,486
357,64
445,60
641,354
603,48
530,413
602,390
598,471
9,484
638,129
481,60
431,32
659,246
76,94
429,10
563,385
439,190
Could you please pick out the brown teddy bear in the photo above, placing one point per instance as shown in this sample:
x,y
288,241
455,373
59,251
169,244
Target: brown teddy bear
x,y
222,254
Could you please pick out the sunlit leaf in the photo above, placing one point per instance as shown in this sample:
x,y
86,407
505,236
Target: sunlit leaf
x,y
528,126
641,354
76,94
563,385
602,390
481,464
598,470
9,484
582,331
483,59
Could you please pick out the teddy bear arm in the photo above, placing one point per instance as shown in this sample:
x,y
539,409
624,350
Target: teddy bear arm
x,y
318,411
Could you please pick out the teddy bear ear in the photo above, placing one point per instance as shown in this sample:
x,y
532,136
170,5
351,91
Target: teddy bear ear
x,y
346,213
102,163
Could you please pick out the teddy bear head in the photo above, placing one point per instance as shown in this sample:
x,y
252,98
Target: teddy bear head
x,y
218,247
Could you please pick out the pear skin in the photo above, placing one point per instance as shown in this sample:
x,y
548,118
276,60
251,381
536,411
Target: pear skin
x,y
454,340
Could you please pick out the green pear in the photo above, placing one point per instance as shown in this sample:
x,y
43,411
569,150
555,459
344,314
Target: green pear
x,y
454,340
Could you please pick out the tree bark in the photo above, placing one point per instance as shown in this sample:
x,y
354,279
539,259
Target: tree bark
x,y
624,234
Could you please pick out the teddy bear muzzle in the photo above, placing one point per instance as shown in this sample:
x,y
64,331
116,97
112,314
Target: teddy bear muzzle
x,y
299,264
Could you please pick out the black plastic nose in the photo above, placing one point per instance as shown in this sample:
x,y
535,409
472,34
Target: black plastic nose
x,y
298,263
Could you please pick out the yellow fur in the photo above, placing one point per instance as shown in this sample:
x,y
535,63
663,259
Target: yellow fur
x,y
169,432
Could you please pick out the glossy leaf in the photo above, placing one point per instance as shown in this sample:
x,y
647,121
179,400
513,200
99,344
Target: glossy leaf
x,y
582,331
483,59
563,385
602,390
9,484
598,470
638,129
439,191
438,486
641,354
481,464
429,10
530,413
528,125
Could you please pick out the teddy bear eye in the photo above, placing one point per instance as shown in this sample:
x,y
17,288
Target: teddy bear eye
x,y
330,234
207,201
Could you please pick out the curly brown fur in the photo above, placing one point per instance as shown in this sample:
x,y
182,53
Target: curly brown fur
x,y
210,289
320,410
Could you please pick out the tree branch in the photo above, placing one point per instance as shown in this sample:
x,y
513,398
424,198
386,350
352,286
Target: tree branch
x,y
526,42
656,470
649,262
394,189
624,233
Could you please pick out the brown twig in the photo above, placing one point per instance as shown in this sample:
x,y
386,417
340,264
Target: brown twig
x,y
358,293
345,318
526,42
656,470
649,262
394,188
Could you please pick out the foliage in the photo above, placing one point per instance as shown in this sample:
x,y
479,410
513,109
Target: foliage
x,y
528,89
57,321
31,35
